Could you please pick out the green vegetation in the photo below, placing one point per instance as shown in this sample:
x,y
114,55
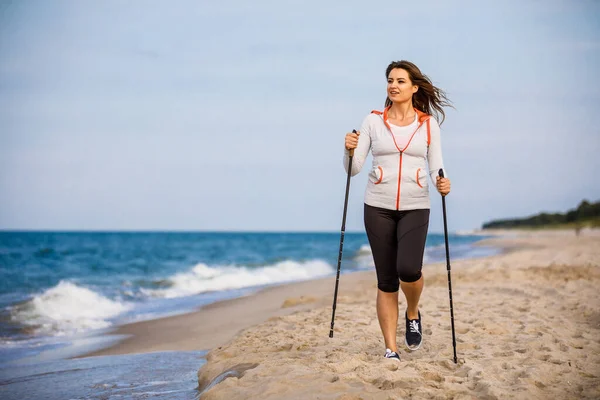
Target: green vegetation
x,y
586,214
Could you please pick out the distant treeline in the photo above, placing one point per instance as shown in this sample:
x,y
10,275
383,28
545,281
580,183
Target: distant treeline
x,y
586,214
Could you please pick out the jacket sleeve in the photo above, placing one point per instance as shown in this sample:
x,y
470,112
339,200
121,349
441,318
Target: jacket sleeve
x,y
434,153
362,150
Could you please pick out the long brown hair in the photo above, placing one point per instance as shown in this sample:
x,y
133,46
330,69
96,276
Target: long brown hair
x,y
428,99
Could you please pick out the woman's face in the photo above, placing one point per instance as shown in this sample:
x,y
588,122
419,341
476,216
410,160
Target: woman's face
x,y
399,87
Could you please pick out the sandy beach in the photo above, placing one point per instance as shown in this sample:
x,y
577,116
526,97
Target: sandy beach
x,y
527,326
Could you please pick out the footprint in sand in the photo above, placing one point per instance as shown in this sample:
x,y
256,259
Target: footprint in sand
x,y
392,366
522,351
302,346
563,347
578,344
463,372
503,354
515,377
462,330
476,377
432,376
544,357
386,384
468,346
507,366
459,370
447,365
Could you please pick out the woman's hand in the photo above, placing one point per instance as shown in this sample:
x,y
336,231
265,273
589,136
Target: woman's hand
x,y
443,185
352,140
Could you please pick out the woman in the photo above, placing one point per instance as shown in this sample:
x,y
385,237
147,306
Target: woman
x,y
403,139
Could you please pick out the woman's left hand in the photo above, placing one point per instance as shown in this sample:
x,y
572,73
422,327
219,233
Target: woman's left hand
x,y
443,185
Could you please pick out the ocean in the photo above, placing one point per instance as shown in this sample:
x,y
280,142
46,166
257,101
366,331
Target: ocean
x,y
62,292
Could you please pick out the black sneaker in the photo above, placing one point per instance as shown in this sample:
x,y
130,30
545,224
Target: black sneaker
x,y
391,354
414,332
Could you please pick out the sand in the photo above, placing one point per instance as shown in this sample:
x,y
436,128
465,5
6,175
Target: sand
x,y
527,327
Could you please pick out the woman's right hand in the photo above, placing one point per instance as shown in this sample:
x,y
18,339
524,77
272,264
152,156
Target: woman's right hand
x,y
352,140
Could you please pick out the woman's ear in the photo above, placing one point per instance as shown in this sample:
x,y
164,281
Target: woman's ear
x,y
415,89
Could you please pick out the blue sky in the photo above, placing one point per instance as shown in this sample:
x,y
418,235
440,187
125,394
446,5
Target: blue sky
x,y
193,115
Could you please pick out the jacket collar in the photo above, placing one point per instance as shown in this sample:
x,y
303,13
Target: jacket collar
x,y
420,115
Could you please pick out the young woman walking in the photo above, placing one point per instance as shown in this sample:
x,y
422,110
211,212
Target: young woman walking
x,y
404,140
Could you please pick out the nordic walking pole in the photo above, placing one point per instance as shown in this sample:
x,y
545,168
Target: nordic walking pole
x,y
441,173
339,264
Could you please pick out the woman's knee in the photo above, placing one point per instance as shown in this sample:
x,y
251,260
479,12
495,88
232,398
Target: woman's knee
x,y
411,277
389,286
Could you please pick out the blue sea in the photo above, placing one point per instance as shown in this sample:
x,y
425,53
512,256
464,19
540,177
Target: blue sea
x,y
61,293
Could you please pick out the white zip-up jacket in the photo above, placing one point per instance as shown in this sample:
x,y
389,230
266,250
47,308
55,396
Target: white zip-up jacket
x,y
398,177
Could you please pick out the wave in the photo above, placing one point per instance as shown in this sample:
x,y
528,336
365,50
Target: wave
x,y
365,249
67,309
202,278
363,257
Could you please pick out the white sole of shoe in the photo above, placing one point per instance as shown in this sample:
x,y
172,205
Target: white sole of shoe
x,y
413,348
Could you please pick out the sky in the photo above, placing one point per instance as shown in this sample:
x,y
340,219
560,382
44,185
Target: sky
x,y
231,115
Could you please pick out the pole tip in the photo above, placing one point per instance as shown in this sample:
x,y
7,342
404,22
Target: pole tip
x,y
331,333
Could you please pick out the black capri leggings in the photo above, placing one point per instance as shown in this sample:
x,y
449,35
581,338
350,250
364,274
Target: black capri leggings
x,y
397,240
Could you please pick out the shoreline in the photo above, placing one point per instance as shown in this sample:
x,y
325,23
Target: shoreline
x,y
204,329
195,330
207,327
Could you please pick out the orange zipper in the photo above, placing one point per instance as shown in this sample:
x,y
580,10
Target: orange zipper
x,y
399,179
400,151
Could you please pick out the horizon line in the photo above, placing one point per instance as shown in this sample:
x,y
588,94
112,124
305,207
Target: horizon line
x,y
2,230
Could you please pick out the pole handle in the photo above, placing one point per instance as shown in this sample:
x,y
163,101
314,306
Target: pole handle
x,y
351,152
441,173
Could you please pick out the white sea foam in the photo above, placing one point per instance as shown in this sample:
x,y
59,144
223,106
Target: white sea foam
x,y
364,249
364,257
67,308
203,278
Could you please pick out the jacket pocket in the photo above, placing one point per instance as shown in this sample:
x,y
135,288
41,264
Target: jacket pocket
x,y
377,175
419,183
